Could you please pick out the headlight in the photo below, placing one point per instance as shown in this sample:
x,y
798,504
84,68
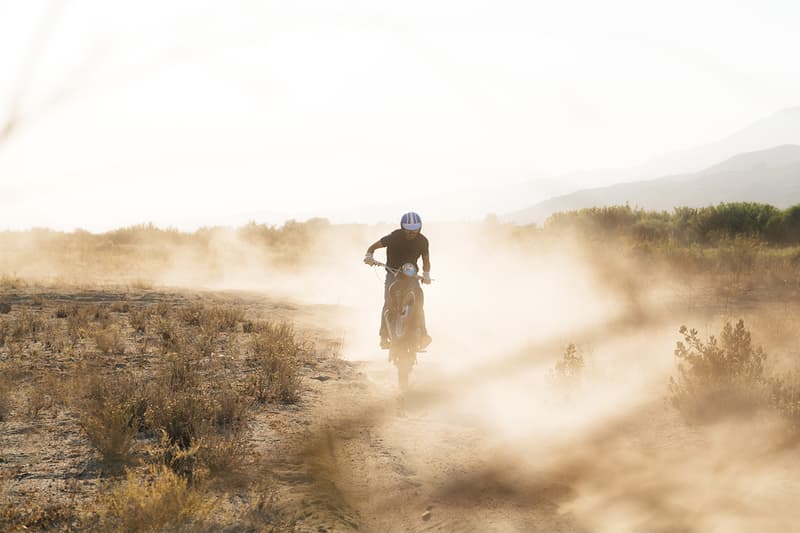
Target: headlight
x,y
409,270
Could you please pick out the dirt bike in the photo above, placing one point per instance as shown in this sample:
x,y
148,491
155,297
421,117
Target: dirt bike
x,y
402,319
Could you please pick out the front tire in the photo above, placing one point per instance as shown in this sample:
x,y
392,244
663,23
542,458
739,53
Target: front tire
x,y
404,361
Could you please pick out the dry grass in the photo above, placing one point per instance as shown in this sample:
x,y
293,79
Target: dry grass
x,y
149,392
37,517
161,501
567,373
6,394
276,355
138,256
109,340
111,408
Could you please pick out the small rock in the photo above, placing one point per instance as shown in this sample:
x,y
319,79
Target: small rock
x,y
5,308
321,378
426,515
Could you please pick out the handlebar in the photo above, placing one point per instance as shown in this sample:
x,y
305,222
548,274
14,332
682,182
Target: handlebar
x,y
393,270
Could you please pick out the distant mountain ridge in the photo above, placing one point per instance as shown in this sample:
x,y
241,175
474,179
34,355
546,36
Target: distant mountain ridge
x,y
767,176
782,127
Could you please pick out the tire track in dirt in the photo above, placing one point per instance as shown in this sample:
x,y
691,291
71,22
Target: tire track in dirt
x,y
398,469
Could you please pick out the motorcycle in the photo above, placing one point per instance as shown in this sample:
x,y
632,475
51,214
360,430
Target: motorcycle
x,y
402,319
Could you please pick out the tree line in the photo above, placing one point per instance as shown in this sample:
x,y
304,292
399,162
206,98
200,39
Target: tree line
x,y
685,225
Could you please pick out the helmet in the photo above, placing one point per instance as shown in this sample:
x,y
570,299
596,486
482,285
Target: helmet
x,y
411,221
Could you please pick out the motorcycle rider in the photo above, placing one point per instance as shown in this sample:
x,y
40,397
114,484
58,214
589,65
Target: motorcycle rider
x,y
404,245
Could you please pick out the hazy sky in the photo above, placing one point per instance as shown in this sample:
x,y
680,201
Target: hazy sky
x,y
186,112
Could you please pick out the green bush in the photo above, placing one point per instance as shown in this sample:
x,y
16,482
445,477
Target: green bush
x,y
684,225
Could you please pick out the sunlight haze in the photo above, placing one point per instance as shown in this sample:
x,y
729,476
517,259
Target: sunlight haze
x,y
197,113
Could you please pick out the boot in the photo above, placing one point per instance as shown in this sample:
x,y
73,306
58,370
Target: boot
x,y
385,343
424,341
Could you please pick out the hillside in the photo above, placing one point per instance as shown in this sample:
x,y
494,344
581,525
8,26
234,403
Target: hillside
x,y
768,176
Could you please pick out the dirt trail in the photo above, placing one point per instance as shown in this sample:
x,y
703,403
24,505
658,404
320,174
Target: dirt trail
x,y
350,455
399,466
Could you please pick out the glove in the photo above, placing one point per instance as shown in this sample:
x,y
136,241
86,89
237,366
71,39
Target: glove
x,y
426,278
368,259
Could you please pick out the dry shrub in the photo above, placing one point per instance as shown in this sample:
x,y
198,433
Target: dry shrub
x,y
215,318
169,335
109,340
163,309
78,318
277,356
182,460
177,406
230,408
54,338
737,256
226,456
6,391
568,370
277,339
26,326
201,434
179,415
225,318
263,511
718,376
120,307
111,432
112,409
276,380
141,284
101,313
181,372
39,399
202,342
35,517
786,397
200,426
12,282
335,348
726,376
191,315
186,415
162,502
138,319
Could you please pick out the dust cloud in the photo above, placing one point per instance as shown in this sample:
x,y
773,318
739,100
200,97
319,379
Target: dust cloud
x,y
487,420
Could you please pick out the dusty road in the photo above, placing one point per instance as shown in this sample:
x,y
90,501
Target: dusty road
x,y
384,463
614,458
485,450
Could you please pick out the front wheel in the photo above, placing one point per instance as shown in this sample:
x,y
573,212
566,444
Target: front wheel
x,y
404,361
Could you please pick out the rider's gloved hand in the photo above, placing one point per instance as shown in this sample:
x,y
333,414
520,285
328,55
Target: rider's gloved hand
x,y
426,278
368,259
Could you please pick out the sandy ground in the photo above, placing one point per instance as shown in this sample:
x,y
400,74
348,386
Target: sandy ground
x,y
354,454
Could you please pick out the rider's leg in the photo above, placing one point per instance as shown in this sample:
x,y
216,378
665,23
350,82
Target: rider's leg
x,y
421,315
426,339
384,332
